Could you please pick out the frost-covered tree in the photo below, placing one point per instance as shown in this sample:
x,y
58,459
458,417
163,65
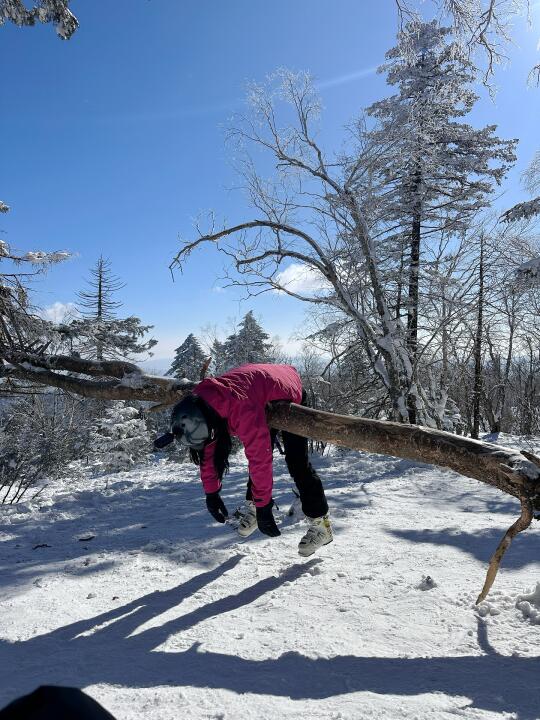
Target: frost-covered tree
x,y
529,208
315,215
188,360
118,439
482,28
249,345
98,333
21,327
434,171
44,11
326,213
218,364
40,435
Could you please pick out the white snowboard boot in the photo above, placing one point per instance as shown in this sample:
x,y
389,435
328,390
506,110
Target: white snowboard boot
x,y
319,533
247,519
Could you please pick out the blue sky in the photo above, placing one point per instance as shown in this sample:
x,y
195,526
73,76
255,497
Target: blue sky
x,y
113,142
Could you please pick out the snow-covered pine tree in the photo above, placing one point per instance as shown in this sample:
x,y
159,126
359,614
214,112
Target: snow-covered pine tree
x,y
248,345
119,437
96,304
434,171
218,357
188,359
529,208
99,334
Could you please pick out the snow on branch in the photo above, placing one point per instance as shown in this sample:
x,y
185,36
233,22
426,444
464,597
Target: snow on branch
x,y
478,25
129,382
44,11
530,269
40,257
522,211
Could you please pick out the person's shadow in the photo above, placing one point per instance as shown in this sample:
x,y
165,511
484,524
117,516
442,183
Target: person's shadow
x,y
108,649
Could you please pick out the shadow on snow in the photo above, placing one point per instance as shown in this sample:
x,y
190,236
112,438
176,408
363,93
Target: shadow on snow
x,y
480,544
108,649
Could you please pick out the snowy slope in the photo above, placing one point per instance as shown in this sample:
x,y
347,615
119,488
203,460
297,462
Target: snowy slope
x,y
164,614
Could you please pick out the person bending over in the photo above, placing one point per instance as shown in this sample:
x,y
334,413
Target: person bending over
x,y
234,404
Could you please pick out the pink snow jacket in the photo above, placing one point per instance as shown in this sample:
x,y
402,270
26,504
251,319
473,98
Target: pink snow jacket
x,y
240,396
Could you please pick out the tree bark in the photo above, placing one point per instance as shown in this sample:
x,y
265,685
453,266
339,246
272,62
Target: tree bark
x,y
504,468
478,384
412,305
513,472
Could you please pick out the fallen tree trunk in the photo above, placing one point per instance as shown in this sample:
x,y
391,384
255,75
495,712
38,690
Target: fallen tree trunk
x,y
513,472
118,380
507,469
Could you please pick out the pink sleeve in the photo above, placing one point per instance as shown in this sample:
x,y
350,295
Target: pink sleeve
x,y
209,477
254,434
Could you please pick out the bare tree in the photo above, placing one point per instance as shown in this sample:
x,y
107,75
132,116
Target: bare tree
x,y
21,327
314,215
477,391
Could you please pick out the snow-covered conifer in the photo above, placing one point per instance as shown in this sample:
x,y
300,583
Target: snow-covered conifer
x,y
98,333
248,345
188,359
434,171
118,438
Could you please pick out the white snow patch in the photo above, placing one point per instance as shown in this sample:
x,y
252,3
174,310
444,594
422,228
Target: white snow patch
x,y
165,614
530,605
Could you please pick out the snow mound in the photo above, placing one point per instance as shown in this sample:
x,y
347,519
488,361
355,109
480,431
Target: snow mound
x,y
486,608
530,605
427,583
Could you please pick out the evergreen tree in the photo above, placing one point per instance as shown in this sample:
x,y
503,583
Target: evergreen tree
x,y
97,302
99,333
249,345
435,172
189,359
218,357
118,438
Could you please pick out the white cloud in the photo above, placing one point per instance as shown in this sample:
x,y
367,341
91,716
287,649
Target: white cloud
x,y
299,278
59,312
344,79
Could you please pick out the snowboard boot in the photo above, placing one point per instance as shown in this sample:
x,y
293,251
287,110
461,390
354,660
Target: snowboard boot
x,y
319,533
247,519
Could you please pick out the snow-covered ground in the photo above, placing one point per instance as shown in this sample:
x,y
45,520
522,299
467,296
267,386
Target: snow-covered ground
x,y
124,586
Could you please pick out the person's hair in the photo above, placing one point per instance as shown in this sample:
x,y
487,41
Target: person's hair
x,y
218,426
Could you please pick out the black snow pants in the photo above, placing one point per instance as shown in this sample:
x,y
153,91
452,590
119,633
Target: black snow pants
x,y
305,476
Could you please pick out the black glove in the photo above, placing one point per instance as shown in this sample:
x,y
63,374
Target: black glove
x,y
216,507
265,520
163,441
